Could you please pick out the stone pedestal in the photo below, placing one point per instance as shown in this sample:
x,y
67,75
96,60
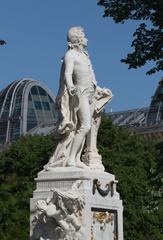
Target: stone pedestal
x,y
100,217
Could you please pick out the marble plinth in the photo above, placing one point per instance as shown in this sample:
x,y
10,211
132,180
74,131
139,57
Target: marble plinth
x,y
101,215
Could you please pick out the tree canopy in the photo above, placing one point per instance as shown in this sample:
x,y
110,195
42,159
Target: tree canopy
x,y
19,166
134,163
2,42
137,166
148,37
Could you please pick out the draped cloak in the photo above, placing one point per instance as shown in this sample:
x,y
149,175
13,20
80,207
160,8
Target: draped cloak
x,y
67,106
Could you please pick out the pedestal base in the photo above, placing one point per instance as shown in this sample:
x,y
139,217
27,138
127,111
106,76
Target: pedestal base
x,y
100,217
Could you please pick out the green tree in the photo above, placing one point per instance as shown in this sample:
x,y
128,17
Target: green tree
x,y
18,168
2,42
158,185
133,161
148,41
127,156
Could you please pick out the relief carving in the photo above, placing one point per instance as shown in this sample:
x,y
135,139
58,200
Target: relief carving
x,y
103,192
59,217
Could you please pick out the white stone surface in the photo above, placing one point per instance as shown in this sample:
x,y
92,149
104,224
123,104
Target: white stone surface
x,y
58,216
80,102
104,207
74,198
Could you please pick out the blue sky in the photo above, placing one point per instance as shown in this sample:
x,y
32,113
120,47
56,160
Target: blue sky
x,y
35,31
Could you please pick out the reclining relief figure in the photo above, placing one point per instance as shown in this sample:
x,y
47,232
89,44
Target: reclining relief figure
x,y
59,217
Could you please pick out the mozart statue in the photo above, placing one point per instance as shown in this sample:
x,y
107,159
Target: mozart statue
x,y
80,102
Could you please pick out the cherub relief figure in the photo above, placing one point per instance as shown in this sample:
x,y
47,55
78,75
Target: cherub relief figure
x,y
58,217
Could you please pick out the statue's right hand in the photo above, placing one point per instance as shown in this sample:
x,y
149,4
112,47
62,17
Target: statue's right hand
x,y
72,91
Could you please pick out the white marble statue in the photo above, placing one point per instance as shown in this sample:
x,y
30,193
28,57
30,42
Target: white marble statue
x,y
58,217
80,101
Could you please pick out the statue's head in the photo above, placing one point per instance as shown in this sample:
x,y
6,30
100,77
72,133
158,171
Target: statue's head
x,y
76,37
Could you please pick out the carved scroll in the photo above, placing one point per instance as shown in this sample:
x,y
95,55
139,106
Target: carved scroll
x,y
103,192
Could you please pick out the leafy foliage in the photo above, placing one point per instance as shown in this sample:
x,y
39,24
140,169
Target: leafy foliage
x,y
133,161
2,42
18,168
148,43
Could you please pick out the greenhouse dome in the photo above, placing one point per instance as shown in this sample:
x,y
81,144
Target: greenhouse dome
x,y
26,105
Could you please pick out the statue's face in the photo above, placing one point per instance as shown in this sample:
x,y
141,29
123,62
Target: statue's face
x,y
83,39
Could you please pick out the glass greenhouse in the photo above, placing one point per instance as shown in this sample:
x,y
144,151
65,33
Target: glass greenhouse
x,y
24,105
